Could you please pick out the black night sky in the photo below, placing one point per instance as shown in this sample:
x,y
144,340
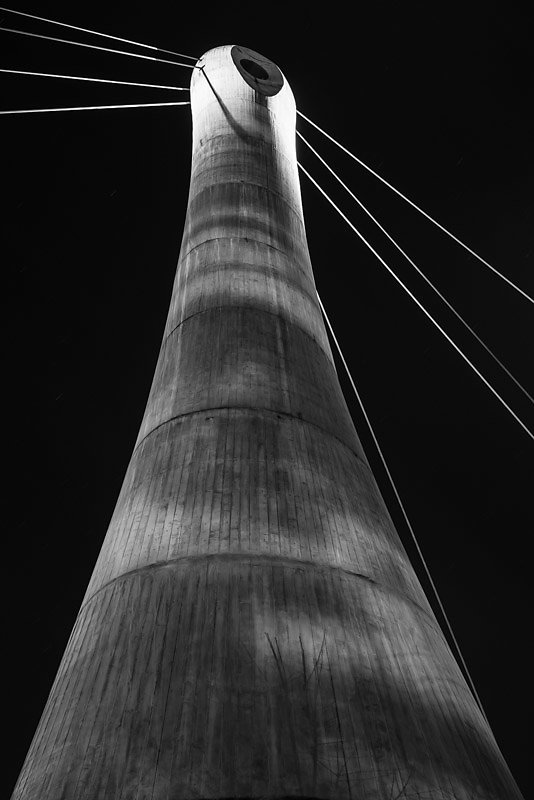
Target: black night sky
x,y
435,97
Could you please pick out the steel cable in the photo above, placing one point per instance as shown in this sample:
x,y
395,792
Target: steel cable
x,y
96,33
407,199
93,108
419,271
94,80
97,47
419,304
405,516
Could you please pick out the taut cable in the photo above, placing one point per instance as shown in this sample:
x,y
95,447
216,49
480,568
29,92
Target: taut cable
x,y
93,80
93,108
418,270
405,515
96,33
410,202
97,47
420,305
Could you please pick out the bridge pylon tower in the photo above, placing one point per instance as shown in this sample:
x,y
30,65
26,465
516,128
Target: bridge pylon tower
x,y
253,627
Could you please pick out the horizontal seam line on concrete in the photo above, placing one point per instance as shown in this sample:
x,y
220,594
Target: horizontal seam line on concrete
x,y
252,137
256,409
294,209
265,557
257,310
243,238
219,152
263,269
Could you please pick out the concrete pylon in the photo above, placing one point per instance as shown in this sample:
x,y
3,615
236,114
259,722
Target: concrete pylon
x,y
253,627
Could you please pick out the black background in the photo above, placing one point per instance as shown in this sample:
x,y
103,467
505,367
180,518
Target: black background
x,y
438,99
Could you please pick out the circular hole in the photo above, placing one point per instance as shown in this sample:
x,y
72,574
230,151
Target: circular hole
x,y
254,69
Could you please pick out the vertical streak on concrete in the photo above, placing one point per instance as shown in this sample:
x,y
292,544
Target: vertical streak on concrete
x,y
253,627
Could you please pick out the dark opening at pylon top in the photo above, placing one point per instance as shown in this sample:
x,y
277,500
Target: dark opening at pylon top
x,y
256,70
